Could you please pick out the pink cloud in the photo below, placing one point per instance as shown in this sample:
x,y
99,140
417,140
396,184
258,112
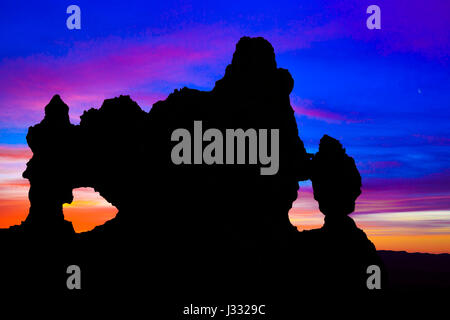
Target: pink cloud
x,y
99,69
13,187
94,70
430,192
310,109
427,193
15,152
377,166
433,183
387,213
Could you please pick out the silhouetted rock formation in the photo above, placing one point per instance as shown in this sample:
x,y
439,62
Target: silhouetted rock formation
x,y
47,170
344,251
185,230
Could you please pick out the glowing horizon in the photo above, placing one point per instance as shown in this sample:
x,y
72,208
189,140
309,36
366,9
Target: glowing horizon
x,y
412,231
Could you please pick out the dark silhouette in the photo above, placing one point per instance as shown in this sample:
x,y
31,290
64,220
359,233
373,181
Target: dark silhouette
x,y
417,273
340,245
50,142
186,232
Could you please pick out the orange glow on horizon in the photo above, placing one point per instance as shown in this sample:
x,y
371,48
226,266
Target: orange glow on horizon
x,y
13,212
88,210
439,243
412,231
384,237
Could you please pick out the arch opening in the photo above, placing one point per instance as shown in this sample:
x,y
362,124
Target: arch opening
x,y
88,210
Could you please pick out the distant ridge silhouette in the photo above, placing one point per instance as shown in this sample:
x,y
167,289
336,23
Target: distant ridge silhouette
x,y
189,232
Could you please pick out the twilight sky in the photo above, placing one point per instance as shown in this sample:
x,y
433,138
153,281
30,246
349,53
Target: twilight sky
x,y
384,93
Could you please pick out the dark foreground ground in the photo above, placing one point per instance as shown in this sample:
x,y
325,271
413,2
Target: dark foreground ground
x,y
417,272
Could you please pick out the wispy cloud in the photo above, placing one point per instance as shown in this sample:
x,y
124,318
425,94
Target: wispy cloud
x,y
434,140
14,152
98,69
318,111
410,229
